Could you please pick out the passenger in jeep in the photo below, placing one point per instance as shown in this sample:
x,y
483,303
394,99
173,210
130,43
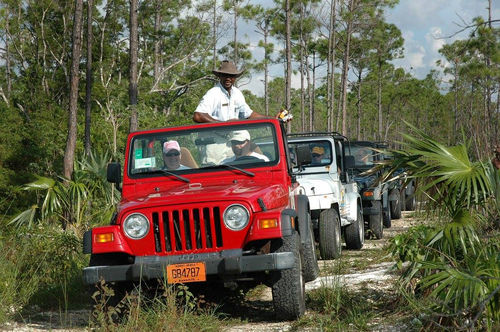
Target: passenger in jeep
x,y
242,146
317,154
172,156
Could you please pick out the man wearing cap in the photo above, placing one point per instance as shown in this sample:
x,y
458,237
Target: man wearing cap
x,y
172,156
317,154
224,102
241,146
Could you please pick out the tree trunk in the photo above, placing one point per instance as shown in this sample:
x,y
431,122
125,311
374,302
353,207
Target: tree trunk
x,y
235,36
358,126
69,152
331,65
379,101
214,31
89,79
313,94
309,94
345,69
288,94
157,43
301,69
133,51
7,56
266,70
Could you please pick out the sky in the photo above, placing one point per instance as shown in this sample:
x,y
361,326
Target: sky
x,y
426,25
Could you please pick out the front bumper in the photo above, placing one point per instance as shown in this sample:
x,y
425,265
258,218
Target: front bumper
x,y
225,263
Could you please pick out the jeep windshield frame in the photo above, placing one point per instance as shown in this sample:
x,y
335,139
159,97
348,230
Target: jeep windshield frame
x,y
315,146
202,149
364,155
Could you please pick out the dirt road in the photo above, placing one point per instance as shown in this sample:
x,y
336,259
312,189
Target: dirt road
x,y
367,270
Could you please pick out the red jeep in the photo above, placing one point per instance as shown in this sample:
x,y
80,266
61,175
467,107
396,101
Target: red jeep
x,y
229,212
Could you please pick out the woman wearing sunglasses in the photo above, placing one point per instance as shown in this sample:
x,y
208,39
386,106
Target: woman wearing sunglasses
x,y
172,156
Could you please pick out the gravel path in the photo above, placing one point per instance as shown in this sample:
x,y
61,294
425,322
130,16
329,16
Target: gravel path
x,y
377,276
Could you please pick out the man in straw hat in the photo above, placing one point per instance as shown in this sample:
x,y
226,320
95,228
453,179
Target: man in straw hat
x,y
224,101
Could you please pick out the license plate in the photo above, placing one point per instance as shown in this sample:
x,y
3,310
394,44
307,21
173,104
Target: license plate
x,y
186,272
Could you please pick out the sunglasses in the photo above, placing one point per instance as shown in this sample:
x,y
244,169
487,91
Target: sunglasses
x,y
233,142
172,154
315,155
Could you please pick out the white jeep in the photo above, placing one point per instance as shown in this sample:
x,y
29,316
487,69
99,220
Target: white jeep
x,y
335,203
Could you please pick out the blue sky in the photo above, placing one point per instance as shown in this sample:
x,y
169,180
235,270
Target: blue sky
x,y
425,24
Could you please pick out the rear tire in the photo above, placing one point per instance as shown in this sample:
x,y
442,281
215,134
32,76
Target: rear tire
x,y
411,203
395,205
289,286
355,233
330,239
387,217
402,199
375,221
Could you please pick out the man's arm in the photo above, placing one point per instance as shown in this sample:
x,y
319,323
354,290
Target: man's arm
x,y
203,117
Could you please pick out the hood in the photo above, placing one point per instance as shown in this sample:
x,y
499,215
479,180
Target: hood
x,y
365,181
192,193
316,186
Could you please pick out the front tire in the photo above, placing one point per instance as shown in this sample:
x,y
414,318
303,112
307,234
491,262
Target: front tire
x,y
330,242
311,268
289,287
355,233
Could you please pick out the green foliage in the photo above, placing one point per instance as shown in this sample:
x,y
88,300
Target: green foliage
x,y
170,309
76,202
450,263
39,267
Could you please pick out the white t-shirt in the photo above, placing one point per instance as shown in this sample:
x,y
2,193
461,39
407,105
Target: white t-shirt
x,y
253,154
221,106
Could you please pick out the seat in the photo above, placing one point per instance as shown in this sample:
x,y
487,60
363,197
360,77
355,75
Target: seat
x,y
187,159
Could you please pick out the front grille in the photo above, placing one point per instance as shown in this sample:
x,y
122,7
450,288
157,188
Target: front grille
x,y
181,230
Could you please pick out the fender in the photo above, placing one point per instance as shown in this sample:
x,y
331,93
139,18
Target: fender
x,y
352,200
286,221
302,207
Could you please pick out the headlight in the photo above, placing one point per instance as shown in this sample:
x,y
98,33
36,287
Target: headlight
x,y
236,217
136,226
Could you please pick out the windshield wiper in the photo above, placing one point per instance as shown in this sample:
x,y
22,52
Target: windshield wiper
x,y
163,171
244,171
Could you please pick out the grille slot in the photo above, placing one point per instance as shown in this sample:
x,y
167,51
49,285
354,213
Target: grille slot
x,y
188,229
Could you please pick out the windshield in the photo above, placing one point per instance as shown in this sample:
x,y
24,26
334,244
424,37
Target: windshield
x,y
321,152
200,149
363,155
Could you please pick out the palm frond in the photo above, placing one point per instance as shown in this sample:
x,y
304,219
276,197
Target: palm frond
x,y
25,218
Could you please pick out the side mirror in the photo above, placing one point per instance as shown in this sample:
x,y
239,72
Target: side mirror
x,y
349,162
113,173
303,154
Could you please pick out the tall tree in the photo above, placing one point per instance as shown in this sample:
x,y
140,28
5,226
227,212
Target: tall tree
x,y
133,54
288,52
388,46
89,79
69,152
331,63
